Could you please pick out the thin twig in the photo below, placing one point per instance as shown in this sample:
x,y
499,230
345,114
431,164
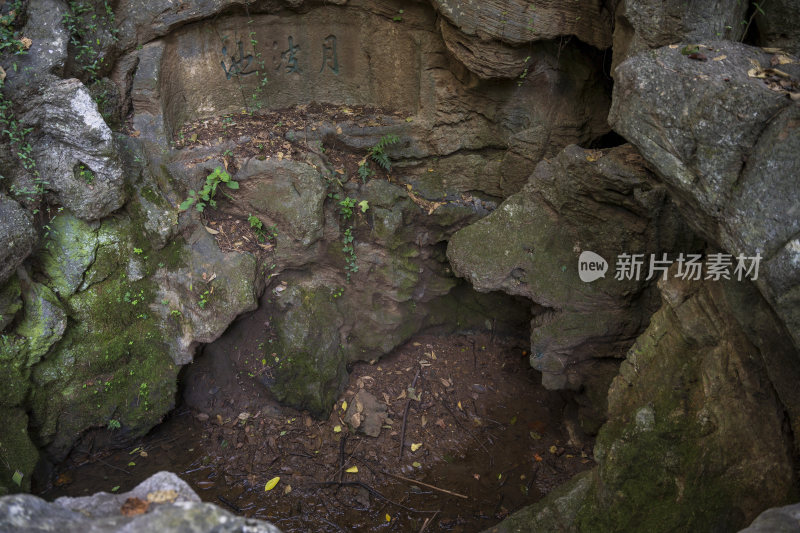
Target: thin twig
x,y
427,522
111,466
424,484
462,426
368,488
405,416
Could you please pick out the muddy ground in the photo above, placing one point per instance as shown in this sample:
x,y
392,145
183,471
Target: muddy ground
x,y
482,439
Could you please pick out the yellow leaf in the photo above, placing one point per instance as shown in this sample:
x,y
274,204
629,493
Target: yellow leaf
x,y
271,483
352,470
388,518
344,405
415,447
553,449
415,464
337,429
459,406
720,58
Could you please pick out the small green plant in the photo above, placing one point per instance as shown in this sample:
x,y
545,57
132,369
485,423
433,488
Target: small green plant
x,y
203,301
137,251
347,211
377,153
205,196
257,227
86,22
524,74
114,424
175,313
84,173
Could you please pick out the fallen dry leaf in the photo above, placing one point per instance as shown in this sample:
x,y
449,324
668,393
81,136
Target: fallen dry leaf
x,y
134,506
162,496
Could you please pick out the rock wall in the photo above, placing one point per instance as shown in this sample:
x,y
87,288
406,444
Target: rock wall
x,y
674,454
108,288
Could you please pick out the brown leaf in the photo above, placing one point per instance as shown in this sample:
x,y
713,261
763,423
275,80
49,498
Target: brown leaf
x,y
697,56
26,42
134,506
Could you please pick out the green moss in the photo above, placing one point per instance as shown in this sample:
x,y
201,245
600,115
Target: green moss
x,y
17,452
311,370
68,252
10,301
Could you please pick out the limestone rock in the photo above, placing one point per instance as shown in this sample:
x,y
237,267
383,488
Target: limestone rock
x,y
530,247
68,252
10,301
518,21
289,192
311,372
17,234
181,512
74,150
779,25
366,414
674,455
776,520
19,453
487,59
726,147
641,25
44,61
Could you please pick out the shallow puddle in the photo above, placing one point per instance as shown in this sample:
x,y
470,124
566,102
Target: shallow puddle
x,y
482,439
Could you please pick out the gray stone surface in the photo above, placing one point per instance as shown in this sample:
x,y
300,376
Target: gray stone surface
x,y
605,202
726,146
100,513
17,235
778,25
641,25
68,134
784,519
519,21
674,455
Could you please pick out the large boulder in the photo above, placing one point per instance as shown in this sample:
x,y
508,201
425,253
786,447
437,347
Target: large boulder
x,y
163,502
74,151
641,25
606,202
674,455
725,143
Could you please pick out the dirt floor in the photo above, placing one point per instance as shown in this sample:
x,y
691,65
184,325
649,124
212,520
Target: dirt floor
x,y
482,439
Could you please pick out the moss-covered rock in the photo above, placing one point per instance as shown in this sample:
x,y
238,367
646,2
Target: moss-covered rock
x,y
311,369
68,252
18,455
697,439
10,301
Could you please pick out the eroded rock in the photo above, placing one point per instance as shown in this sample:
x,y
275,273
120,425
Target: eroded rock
x,y
641,25
18,236
169,505
606,202
674,454
726,146
74,150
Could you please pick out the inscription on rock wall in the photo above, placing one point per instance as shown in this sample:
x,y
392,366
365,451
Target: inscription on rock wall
x,y
333,56
239,64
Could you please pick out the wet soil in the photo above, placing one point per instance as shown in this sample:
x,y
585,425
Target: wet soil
x,y
482,439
